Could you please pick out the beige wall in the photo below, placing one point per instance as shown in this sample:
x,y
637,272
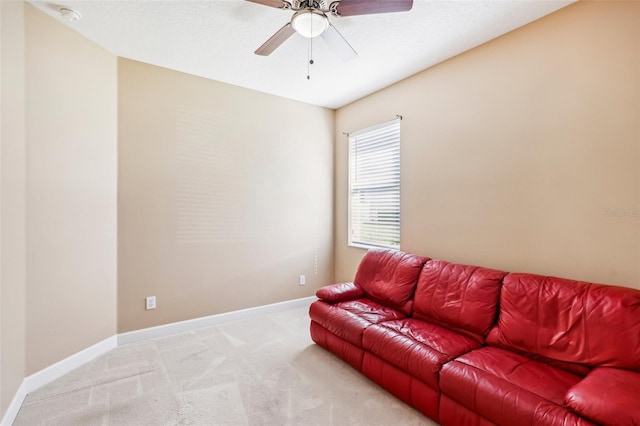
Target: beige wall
x,y
71,100
513,152
512,155
12,201
225,196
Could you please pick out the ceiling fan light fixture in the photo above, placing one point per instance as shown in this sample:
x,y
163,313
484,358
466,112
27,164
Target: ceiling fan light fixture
x,y
309,23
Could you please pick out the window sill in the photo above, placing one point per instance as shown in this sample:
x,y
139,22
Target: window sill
x,y
371,246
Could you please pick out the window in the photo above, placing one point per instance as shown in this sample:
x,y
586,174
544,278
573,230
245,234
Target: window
x,y
374,186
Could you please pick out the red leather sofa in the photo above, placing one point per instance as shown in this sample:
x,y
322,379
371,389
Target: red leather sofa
x,y
468,345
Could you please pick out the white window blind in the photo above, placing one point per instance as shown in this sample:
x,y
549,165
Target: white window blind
x,y
374,186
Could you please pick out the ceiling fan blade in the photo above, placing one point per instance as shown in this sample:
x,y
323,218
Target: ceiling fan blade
x,y
276,40
279,4
367,7
338,43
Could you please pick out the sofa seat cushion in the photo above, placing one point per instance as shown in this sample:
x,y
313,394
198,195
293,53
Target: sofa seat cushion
x,y
349,319
609,396
417,347
508,388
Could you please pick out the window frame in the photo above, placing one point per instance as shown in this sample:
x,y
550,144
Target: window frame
x,y
352,138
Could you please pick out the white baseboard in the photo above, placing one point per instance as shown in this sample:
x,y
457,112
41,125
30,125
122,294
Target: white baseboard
x,y
60,368
55,371
193,324
14,407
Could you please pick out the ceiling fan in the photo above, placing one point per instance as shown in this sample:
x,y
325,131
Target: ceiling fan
x,y
310,20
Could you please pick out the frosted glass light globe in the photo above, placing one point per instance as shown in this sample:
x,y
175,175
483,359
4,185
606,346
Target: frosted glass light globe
x,y
309,24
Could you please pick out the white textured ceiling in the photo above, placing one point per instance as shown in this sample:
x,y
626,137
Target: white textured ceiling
x,y
216,39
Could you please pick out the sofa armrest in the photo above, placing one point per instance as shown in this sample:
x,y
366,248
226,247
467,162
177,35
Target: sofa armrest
x,y
608,396
339,292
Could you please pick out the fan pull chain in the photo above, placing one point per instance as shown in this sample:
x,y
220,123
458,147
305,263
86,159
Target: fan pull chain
x,y
310,54
310,59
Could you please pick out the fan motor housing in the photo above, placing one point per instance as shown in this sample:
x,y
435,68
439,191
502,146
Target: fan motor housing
x,y
315,4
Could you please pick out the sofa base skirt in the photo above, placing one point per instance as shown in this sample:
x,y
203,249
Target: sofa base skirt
x,y
403,386
343,349
454,414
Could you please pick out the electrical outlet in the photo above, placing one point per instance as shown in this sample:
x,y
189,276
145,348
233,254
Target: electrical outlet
x,y
303,280
151,302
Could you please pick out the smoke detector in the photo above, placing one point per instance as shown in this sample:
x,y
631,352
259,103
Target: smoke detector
x,y
69,15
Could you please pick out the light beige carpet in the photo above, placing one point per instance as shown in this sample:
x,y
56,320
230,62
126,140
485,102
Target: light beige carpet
x,y
261,371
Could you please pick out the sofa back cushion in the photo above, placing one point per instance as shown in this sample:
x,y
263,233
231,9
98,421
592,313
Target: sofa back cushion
x,y
461,296
389,277
570,321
